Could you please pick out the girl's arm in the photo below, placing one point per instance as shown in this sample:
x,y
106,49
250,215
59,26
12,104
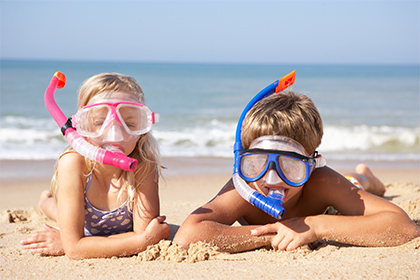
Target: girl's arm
x,y
212,223
148,227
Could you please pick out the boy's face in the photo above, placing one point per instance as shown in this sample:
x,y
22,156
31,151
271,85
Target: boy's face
x,y
271,180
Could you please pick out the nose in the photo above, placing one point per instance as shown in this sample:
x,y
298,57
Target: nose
x,y
113,132
272,178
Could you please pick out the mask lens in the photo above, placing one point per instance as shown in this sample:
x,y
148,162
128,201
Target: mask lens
x,y
135,118
92,119
253,165
293,169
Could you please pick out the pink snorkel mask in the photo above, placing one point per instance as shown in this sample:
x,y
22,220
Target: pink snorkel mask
x,y
76,141
109,122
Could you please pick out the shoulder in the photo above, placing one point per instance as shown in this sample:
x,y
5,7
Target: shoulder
x,y
71,169
326,186
326,178
71,160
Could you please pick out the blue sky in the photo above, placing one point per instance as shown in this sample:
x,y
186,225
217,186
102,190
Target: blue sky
x,y
304,32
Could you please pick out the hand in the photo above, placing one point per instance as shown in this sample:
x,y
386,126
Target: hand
x,y
46,242
157,229
290,234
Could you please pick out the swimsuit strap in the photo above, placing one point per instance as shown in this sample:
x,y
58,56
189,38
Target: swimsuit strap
x,y
88,181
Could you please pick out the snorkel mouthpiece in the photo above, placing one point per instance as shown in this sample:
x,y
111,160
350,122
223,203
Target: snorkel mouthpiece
x,y
119,160
76,141
273,203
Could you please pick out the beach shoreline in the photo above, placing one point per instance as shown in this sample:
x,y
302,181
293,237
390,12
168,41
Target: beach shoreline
x,y
174,166
187,184
21,181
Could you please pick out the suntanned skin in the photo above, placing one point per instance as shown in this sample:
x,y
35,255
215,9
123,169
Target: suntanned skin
x,y
149,227
365,219
105,193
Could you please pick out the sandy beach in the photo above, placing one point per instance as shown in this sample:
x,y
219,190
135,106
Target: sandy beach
x,y
189,183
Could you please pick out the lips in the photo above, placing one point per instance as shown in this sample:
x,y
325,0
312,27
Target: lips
x,y
113,148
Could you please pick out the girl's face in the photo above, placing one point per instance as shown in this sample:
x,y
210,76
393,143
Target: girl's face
x,y
114,137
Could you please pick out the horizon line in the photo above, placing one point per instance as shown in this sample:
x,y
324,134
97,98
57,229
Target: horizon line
x,y
212,62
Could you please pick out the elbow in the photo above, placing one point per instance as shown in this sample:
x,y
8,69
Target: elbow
x,y
183,238
181,241
187,234
412,232
73,254
407,233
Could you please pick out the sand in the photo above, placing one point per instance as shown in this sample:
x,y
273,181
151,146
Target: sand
x,y
188,184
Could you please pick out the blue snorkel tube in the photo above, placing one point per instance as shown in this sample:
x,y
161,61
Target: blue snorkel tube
x,y
273,203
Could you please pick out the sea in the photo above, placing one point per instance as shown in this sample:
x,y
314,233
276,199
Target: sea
x,y
370,112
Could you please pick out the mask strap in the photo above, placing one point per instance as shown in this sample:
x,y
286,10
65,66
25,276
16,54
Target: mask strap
x,y
319,159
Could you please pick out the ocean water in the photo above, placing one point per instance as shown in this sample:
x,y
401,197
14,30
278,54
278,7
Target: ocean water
x,y
369,112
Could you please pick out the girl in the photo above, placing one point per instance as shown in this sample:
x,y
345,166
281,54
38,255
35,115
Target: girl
x,y
102,210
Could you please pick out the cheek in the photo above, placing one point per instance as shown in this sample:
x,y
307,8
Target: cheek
x,y
132,145
257,186
292,192
94,142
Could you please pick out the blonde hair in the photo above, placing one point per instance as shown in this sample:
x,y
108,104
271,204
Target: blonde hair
x,y
287,114
146,151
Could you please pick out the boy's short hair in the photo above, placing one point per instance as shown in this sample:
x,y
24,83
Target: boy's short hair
x,y
287,114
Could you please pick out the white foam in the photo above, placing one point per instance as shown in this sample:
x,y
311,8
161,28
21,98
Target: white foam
x,y
24,138
383,139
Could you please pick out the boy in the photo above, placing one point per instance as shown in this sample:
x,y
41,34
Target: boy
x,y
276,123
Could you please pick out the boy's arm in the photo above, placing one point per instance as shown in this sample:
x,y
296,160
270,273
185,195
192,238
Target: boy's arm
x,y
365,219
212,223
376,222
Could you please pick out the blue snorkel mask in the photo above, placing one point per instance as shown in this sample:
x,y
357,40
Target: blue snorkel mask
x,y
273,203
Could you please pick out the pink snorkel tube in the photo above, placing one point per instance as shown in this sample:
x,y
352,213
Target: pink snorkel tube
x,y
76,141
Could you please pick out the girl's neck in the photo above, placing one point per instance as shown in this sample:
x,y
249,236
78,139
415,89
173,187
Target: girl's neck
x,y
107,172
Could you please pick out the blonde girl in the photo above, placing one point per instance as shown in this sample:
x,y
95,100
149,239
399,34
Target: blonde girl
x,y
102,210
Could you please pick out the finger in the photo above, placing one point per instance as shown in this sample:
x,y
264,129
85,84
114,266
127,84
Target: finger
x,y
34,238
284,243
276,241
264,230
161,219
49,228
43,251
293,245
34,246
48,251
